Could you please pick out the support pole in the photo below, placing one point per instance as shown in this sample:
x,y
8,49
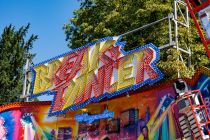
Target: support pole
x,y
26,83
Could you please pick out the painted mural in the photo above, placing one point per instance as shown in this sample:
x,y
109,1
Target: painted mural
x,y
135,116
32,122
142,114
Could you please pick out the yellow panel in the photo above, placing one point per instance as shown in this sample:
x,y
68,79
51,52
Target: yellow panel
x,y
124,72
42,82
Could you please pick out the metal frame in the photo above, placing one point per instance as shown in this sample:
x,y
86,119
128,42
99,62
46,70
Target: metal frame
x,y
193,107
27,80
169,18
173,18
184,21
193,11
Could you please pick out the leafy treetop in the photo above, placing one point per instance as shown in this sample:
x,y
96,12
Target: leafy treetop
x,y
99,18
13,50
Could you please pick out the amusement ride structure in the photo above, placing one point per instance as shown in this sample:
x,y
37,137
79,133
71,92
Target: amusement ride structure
x,y
179,18
187,112
201,7
194,120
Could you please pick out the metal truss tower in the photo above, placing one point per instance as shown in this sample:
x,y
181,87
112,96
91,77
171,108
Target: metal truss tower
x,y
179,18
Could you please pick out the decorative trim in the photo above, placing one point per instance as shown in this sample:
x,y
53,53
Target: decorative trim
x,y
17,105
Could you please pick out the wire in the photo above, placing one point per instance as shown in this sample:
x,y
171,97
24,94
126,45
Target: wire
x,y
145,26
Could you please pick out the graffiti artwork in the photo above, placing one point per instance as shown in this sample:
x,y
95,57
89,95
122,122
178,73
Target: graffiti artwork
x,y
133,115
28,123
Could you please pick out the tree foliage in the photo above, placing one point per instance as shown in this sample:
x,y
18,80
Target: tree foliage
x,y
13,50
99,18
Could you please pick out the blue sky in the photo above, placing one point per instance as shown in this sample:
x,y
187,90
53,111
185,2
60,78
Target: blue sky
x,y
47,18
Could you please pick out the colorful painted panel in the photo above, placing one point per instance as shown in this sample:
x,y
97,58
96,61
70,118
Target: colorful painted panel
x,y
137,116
31,123
3,130
94,72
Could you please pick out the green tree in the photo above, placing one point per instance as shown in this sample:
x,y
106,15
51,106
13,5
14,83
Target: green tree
x,y
13,49
99,18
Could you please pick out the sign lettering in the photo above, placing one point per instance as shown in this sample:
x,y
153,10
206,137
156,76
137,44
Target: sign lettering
x,y
91,118
94,72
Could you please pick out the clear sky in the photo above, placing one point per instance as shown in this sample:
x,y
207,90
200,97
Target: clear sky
x,y
47,18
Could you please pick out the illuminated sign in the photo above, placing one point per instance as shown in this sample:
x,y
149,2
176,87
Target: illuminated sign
x,y
91,118
205,20
93,72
